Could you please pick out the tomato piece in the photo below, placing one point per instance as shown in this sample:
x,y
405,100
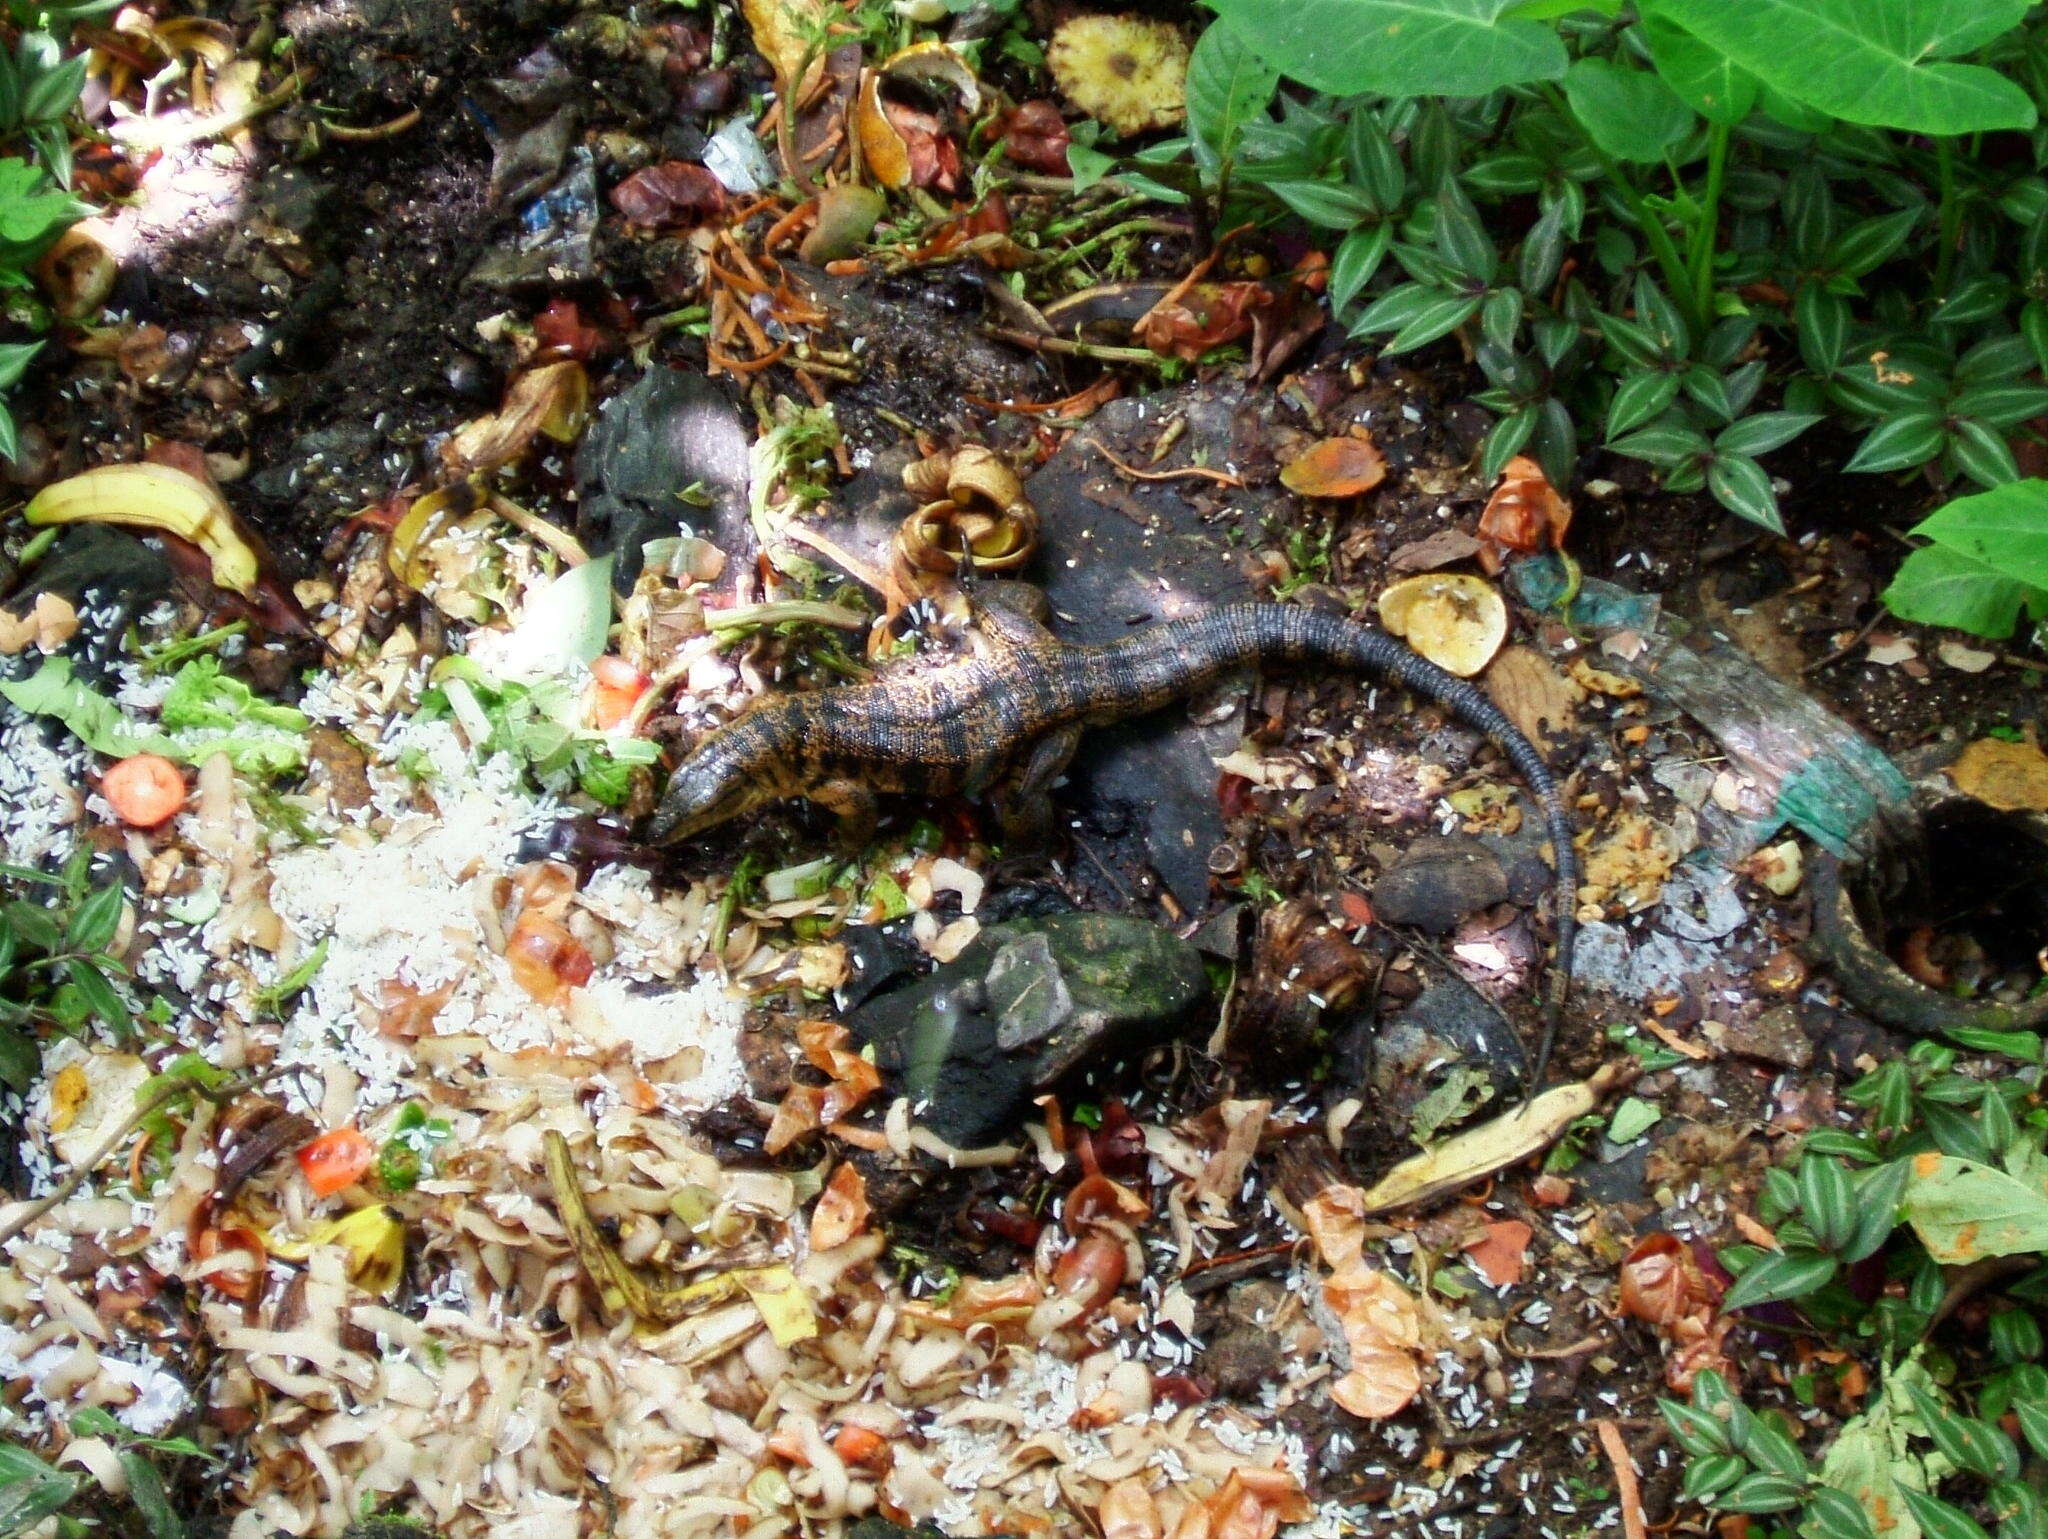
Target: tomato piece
x,y
144,790
546,960
616,688
336,1160
241,1282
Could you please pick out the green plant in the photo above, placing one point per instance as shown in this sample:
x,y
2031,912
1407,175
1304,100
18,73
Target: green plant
x,y
1985,565
1685,230
34,1491
1948,1171
55,968
38,88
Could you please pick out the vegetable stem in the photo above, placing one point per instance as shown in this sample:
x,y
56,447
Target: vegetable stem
x,y
1677,277
1951,215
1706,233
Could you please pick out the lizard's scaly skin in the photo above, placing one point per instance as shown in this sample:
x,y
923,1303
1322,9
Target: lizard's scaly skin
x,y
962,727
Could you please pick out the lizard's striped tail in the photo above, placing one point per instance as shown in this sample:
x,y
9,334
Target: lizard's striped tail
x,y
1180,656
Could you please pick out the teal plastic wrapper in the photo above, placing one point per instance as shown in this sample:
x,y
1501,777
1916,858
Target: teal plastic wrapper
x,y
1806,766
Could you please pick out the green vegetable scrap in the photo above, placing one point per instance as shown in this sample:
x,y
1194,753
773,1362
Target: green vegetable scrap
x,y
205,712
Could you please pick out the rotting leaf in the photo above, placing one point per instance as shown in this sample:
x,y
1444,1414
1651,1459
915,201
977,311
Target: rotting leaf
x,y
2013,777
1963,1210
1537,698
674,194
1525,512
1456,621
1335,467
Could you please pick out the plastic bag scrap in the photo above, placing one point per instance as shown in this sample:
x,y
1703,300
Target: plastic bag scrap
x,y
1807,767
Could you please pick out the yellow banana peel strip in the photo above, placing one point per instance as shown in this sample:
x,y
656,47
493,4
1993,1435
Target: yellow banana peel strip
x,y
160,497
774,1290
374,1238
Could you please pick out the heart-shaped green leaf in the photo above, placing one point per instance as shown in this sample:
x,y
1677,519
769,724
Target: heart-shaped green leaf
x,y
1878,64
1400,47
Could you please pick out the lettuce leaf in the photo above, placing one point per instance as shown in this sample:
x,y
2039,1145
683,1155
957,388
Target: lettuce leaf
x,y
207,713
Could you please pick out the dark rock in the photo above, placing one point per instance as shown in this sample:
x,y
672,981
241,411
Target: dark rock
x,y
1117,555
1439,882
1776,1037
1067,990
1450,1033
877,956
292,199
110,577
1244,1353
669,431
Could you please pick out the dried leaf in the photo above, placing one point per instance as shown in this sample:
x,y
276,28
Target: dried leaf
x,y
2012,777
1335,467
1501,1253
1525,512
1206,316
1537,698
1447,547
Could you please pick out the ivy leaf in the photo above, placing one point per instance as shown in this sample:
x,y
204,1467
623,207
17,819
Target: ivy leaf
x,y
1830,1514
1400,47
97,992
1784,1275
1359,256
1761,1493
1643,397
1937,1519
1864,63
1631,114
1228,84
1911,438
146,1491
1982,455
1327,205
1765,431
1664,444
1743,487
92,927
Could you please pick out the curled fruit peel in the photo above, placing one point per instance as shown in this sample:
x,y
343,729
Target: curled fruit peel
x,y
160,497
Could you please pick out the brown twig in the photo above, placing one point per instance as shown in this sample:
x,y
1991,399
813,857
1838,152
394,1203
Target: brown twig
x,y
1199,472
349,134
1096,350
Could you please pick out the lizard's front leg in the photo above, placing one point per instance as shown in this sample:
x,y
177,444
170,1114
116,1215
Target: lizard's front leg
x,y
853,804
1023,803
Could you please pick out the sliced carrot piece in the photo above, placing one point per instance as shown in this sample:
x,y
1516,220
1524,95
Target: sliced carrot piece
x,y
145,790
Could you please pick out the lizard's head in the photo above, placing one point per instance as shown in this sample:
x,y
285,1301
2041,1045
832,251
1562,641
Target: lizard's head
x,y
728,773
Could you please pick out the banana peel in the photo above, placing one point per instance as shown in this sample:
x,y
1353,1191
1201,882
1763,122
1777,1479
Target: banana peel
x,y
374,1238
162,498
774,1290
1494,1145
